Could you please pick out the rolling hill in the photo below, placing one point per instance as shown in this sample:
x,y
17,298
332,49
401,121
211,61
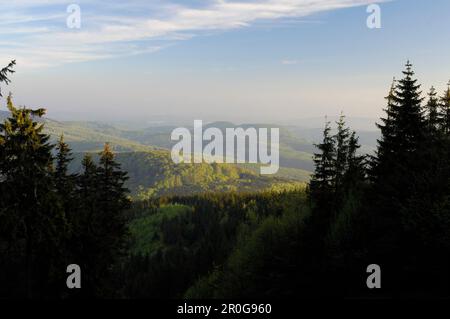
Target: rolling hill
x,y
145,154
153,174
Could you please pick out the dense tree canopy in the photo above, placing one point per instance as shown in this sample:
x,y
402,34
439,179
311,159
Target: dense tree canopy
x,y
45,221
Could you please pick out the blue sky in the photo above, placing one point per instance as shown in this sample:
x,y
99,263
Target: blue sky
x,y
241,60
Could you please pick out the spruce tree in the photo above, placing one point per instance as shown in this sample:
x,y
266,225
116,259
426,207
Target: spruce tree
x,y
387,141
31,201
322,185
323,180
432,114
65,182
113,195
400,165
104,225
409,121
444,111
342,149
356,171
86,248
112,178
402,133
3,222
87,188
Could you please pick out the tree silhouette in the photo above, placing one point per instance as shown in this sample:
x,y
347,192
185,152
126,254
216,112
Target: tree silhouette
x,y
27,174
444,111
432,113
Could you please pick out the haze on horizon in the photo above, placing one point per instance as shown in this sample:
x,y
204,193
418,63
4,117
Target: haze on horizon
x,y
241,61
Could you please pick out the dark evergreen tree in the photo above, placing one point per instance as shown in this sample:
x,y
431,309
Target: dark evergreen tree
x,y
444,111
402,134
432,114
323,181
409,119
356,164
84,232
65,182
341,160
38,219
50,218
409,180
103,224
322,194
87,180
386,144
113,197
3,79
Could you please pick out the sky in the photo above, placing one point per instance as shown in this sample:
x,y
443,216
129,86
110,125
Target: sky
x,y
221,60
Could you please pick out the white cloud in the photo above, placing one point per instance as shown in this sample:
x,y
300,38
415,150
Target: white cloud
x,y
289,62
121,32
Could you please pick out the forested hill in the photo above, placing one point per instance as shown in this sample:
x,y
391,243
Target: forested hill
x,y
296,141
145,156
153,174
143,151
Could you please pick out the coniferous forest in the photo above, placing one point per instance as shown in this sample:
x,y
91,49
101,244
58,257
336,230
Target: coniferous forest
x,y
390,208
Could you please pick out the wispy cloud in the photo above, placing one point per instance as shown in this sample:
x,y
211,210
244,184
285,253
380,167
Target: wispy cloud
x,y
289,62
35,31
